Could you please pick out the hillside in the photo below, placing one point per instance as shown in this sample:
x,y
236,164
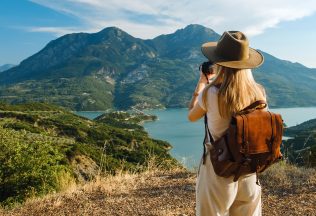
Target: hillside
x,y
287,84
5,67
286,190
46,148
111,69
301,149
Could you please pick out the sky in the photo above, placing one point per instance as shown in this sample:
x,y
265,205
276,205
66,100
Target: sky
x,y
283,28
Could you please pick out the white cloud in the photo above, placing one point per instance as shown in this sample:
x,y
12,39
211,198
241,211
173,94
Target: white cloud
x,y
58,31
146,19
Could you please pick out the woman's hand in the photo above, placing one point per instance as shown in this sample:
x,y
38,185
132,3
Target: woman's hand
x,y
204,78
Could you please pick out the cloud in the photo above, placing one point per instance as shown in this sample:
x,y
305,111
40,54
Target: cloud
x,y
146,19
58,31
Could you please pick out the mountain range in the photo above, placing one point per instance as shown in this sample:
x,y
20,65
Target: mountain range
x,y
111,69
5,67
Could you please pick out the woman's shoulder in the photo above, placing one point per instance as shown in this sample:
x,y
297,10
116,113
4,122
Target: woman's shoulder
x,y
212,92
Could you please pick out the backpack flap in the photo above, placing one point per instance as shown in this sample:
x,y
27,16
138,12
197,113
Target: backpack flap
x,y
257,132
249,135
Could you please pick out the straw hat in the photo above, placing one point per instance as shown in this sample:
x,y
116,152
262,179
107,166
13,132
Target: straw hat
x,y
233,51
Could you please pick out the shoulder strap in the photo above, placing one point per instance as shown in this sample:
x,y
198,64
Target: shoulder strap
x,y
256,104
207,130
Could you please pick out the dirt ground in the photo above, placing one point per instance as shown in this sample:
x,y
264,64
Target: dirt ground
x,y
287,190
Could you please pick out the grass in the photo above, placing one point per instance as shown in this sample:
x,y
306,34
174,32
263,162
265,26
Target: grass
x,y
289,189
156,191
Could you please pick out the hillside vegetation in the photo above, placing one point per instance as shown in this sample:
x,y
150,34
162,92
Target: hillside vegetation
x,y
301,148
45,148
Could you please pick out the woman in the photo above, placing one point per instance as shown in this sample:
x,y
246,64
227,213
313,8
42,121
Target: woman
x,y
232,89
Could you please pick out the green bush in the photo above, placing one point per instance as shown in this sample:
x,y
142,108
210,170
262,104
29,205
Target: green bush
x,y
28,167
22,126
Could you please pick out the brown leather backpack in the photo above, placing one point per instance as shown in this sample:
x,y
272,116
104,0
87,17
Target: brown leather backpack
x,y
250,144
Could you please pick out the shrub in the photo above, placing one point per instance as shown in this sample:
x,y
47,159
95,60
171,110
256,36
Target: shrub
x,y
28,167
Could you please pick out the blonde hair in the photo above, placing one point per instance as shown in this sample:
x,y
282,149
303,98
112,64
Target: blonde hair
x,y
237,90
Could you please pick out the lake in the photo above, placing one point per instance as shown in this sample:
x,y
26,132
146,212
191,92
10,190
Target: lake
x,y
187,137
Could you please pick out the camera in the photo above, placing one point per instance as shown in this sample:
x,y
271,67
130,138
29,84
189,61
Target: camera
x,y
206,67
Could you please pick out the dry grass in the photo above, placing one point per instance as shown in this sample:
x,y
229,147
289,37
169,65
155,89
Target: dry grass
x,y
286,189
289,189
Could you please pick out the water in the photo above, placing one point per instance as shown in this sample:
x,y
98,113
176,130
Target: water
x,y
187,137
89,114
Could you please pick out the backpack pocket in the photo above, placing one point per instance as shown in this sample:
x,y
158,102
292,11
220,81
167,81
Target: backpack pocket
x,y
221,159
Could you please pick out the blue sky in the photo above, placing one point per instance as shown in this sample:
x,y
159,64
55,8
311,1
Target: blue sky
x,y
283,28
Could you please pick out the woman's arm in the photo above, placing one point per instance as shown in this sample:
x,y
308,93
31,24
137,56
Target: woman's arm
x,y
195,110
196,113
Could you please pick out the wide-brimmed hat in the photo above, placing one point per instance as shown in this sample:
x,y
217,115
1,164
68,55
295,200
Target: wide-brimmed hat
x,y
232,50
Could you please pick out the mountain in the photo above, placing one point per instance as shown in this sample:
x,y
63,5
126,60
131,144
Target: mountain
x,y
6,67
288,84
111,69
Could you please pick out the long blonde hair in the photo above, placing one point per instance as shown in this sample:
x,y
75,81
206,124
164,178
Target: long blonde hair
x,y
238,89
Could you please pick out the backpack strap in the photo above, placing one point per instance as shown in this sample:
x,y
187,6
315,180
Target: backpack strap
x,y
207,132
245,135
256,105
205,138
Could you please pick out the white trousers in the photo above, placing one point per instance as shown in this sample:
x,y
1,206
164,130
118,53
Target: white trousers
x,y
219,196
